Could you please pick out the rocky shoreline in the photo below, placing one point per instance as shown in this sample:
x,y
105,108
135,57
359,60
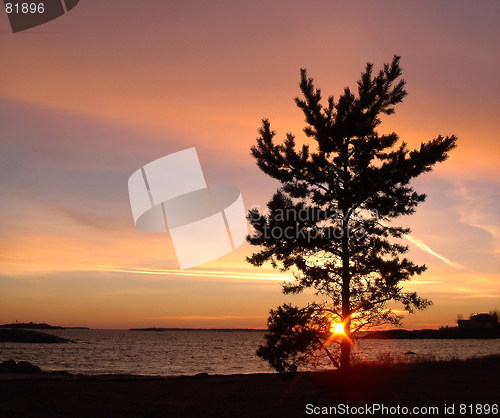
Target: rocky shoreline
x,y
431,384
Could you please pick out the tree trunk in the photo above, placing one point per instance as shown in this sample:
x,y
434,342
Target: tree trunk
x,y
345,354
345,347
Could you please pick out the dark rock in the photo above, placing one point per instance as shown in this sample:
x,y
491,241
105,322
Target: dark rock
x,y
408,353
27,368
201,375
8,366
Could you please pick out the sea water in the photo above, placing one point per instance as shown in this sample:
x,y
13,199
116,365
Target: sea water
x,y
186,352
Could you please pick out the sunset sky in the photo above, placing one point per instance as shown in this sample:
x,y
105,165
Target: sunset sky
x,y
90,97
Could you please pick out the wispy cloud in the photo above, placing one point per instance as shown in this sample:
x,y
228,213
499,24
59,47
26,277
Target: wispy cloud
x,y
479,208
473,292
426,282
190,273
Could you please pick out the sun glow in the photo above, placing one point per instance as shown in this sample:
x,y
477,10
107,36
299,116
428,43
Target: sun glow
x,y
337,328
338,334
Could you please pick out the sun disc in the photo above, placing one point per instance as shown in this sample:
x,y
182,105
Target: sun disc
x,y
337,328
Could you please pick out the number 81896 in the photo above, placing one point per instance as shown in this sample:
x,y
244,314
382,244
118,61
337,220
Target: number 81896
x,y
24,8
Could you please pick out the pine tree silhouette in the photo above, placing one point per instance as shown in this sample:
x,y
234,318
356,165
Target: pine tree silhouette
x,y
329,221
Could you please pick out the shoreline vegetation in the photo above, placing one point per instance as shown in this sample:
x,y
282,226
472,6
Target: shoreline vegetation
x,y
431,383
442,333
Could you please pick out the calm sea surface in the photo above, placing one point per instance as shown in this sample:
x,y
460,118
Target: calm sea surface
x,y
170,353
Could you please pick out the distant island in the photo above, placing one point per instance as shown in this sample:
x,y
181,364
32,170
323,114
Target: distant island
x,y
483,325
28,336
32,325
76,328
199,329
148,329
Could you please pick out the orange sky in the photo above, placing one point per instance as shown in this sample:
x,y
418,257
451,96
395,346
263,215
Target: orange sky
x,y
88,98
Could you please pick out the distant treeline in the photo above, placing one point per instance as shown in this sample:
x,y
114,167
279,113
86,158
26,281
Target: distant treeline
x,y
442,333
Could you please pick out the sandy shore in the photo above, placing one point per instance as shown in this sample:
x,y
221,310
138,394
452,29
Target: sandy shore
x,y
438,384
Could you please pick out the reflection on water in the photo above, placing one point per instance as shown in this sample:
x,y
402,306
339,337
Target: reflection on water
x,y
170,353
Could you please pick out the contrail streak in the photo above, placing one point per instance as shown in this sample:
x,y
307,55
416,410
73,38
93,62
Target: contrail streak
x,y
423,246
